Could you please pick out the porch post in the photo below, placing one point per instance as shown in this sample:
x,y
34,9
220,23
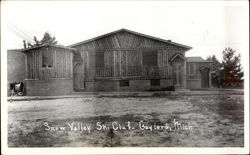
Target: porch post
x,y
210,80
26,66
184,76
177,75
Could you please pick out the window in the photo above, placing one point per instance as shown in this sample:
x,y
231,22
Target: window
x,y
47,59
124,83
197,69
191,69
155,82
99,59
149,58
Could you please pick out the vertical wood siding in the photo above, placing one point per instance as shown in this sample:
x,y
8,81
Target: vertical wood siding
x,y
163,63
62,64
123,56
124,63
196,70
125,40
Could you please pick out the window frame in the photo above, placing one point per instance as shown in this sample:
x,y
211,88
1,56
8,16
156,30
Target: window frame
x,y
194,69
50,57
103,59
150,54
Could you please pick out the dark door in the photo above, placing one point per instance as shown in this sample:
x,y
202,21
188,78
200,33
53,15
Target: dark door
x,y
178,74
205,78
79,76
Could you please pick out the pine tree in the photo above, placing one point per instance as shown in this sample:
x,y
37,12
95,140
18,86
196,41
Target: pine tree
x,y
48,39
232,74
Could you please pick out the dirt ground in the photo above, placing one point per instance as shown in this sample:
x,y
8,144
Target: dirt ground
x,y
176,121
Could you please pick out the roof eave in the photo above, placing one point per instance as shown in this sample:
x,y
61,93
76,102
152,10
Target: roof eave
x,y
58,46
137,33
201,61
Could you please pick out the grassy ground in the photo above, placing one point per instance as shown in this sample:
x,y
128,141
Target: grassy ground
x,y
215,120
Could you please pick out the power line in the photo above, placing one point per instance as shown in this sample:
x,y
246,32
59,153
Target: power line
x,y
20,35
21,31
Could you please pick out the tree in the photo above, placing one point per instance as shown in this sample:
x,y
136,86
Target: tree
x,y
47,39
232,74
216,71
213,58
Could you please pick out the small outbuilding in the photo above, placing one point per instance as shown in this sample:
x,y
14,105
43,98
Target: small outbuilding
x,y
198,73
49,70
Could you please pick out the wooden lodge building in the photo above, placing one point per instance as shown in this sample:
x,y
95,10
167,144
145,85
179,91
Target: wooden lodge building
x,y
122,60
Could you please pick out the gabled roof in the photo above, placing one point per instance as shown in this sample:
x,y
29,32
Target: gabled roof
x,y
133,32
177,55
205,66
57,46
196,59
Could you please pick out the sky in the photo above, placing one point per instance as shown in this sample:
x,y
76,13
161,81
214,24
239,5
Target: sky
x,y
208,27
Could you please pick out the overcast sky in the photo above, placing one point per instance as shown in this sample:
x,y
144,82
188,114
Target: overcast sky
x,y
208,27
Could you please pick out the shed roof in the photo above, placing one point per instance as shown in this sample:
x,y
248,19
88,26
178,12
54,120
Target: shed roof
x,y
133,32
196,59
57,46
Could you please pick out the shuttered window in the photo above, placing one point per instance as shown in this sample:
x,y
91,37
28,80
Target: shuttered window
x,y
99,59
47,59
149,58
197,69
191,69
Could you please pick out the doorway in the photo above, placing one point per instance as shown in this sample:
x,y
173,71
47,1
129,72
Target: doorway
x,y
79,83
178,72
205,78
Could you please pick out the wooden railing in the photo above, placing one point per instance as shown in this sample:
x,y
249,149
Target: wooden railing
x,y
142,71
